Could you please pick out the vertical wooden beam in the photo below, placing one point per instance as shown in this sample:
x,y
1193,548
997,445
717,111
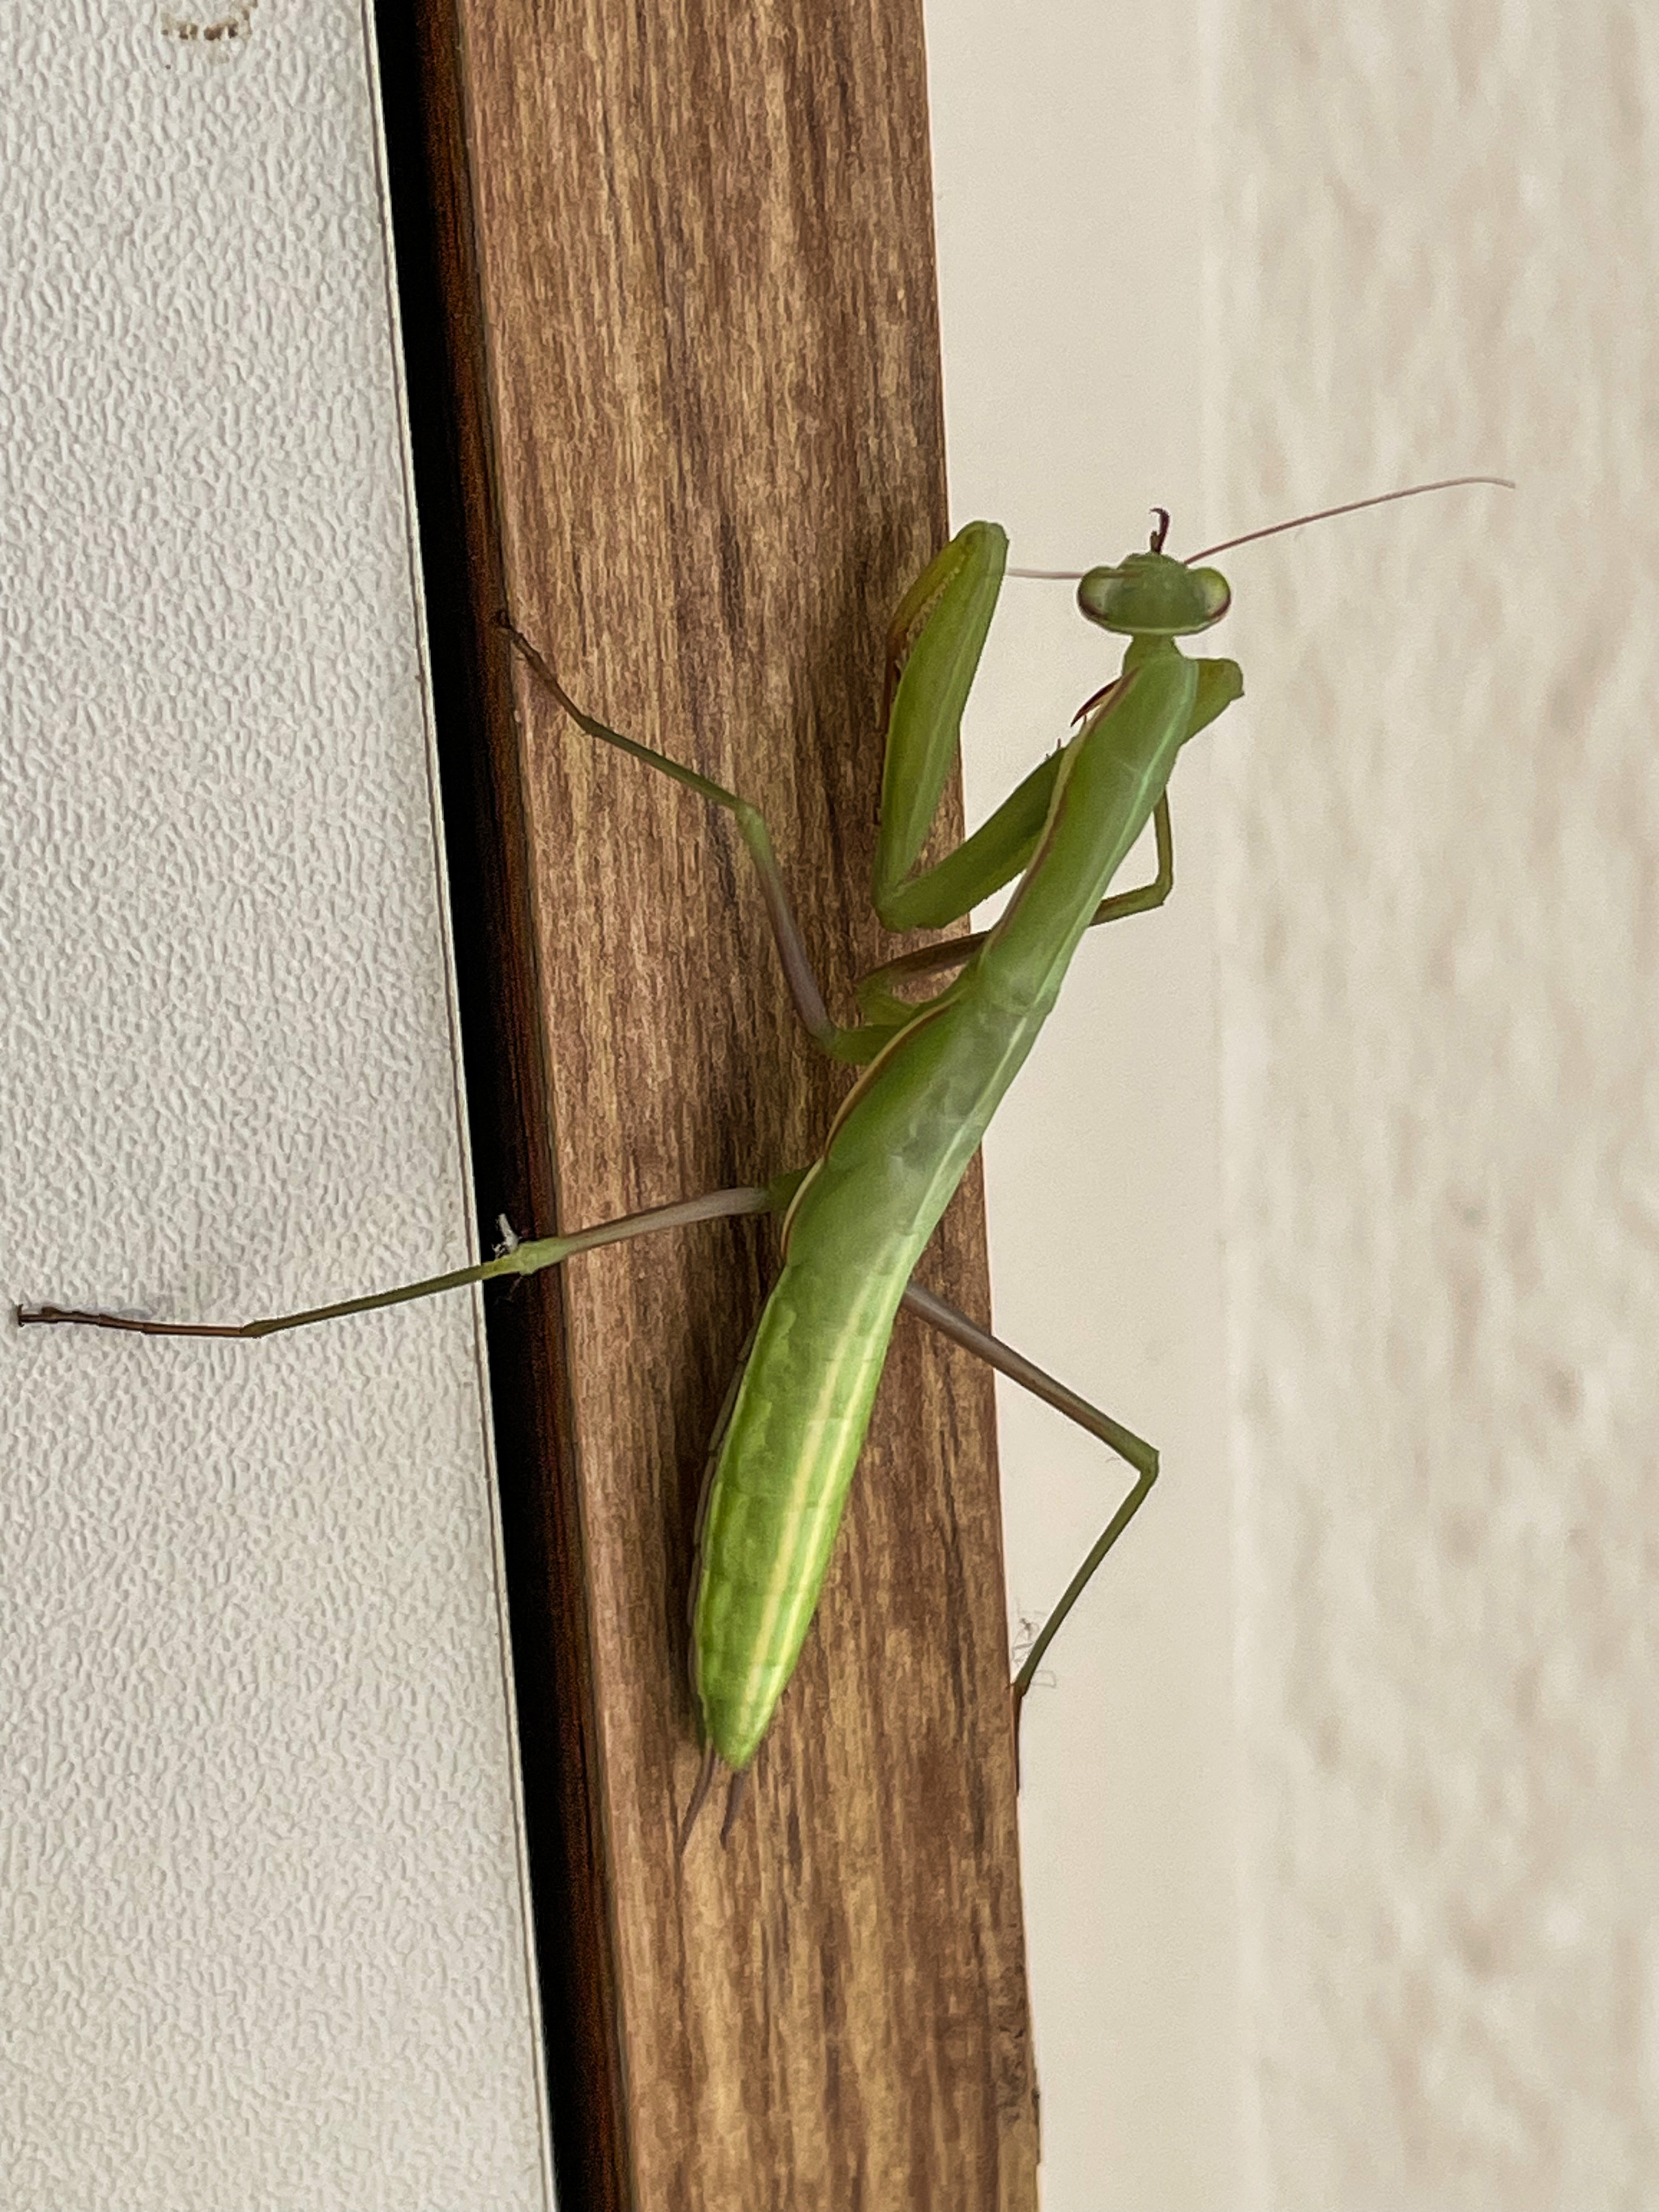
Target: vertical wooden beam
x,y
681,292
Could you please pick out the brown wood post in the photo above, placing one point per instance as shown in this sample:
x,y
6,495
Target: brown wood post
x,y
674,290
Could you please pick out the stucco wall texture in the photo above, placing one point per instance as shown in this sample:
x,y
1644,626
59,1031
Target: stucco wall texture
x,y
1432,243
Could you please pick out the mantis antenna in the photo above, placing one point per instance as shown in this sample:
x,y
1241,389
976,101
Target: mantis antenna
x,y
1275,529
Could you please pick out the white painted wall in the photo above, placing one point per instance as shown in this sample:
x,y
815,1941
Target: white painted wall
x,y
266,1933
1362,1217
1439,941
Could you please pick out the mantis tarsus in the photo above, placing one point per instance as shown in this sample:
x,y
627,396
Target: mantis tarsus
x,y
855,1221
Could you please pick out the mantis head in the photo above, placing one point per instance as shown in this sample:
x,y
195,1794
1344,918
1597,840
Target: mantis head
x,y
1153,595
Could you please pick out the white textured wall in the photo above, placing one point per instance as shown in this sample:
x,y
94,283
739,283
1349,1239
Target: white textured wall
x,y
265,1929
1341,1179
1433,240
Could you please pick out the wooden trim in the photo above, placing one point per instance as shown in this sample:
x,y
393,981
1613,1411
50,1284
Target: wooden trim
x,y
669,296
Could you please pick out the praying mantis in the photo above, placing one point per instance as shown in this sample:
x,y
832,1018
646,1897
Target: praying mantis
x,y
932,1071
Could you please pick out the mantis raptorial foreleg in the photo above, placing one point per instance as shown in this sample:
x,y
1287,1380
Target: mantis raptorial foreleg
x,y
930,666
876,994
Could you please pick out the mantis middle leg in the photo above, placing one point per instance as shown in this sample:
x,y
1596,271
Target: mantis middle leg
x,y
804,987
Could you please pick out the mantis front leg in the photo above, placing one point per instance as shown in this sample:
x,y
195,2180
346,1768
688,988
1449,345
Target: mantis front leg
x,y
933,650
877,991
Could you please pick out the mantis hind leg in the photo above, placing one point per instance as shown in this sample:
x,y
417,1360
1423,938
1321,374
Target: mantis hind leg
x,y
1139,1454
518,1256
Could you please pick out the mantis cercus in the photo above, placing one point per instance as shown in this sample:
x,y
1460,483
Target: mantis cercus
x,y
855,1221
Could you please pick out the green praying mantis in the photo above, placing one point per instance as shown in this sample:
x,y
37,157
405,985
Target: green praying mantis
x,y
932,1073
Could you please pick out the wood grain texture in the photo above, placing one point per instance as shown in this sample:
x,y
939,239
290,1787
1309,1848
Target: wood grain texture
x,y
697,384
